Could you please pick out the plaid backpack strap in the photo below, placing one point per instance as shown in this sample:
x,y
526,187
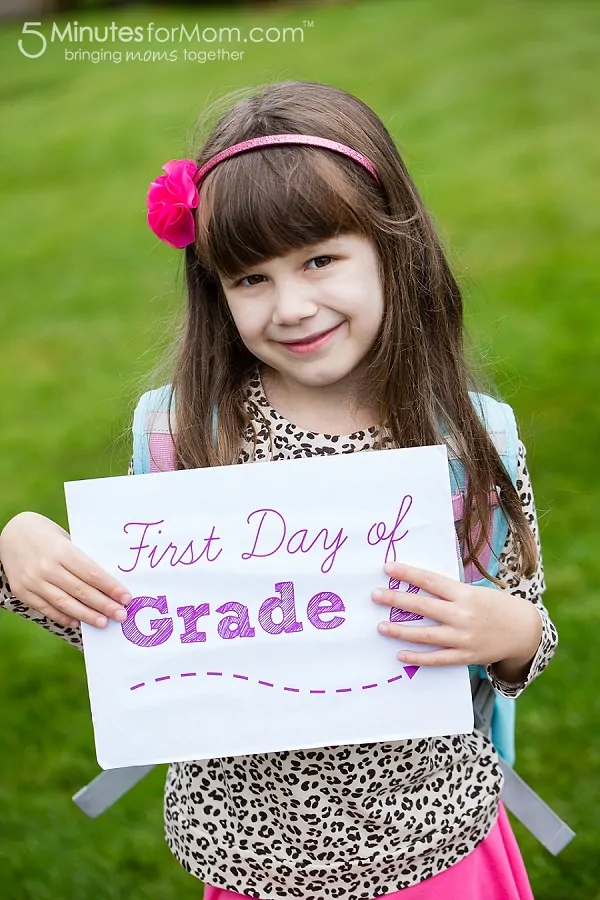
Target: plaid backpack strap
x,y
500,424
153,449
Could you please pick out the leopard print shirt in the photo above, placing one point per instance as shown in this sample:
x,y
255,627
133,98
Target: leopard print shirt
x,y
350,822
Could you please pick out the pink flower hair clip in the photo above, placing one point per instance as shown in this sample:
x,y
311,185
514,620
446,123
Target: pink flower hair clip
x,y
170,201
172,197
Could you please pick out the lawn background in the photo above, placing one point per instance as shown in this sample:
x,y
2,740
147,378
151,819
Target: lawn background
x,y
495,110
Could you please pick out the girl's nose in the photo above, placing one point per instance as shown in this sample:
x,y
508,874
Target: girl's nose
x,y
294,301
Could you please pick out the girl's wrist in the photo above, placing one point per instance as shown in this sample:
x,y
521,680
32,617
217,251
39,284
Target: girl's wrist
x,y
515,669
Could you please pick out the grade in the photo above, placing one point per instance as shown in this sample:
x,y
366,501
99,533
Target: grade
x,y
276,615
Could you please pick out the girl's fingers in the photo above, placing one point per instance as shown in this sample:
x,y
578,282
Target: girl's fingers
x,y
68,606
430,607
92,574
89,596
432,582
434,635
46,609
435,658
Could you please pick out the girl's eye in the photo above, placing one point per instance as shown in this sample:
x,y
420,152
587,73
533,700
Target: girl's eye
x,y
316,259
246,278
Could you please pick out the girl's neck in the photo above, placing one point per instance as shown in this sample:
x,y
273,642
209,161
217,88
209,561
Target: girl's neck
x,y
330,409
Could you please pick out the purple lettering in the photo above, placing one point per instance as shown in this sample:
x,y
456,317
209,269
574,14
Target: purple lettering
x,y
320,605
303,535
141,546
337,543
237,625
271,542
265,513
162,629
286,603
396,613
153,563
380,533
180,561
175,557
403,615
207,542
327,564
190,616
393,537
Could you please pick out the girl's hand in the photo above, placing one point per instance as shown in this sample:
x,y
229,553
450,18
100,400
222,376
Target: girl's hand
x,y
47,572
479,625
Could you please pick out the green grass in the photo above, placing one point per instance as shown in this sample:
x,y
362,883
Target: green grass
x,y
495,109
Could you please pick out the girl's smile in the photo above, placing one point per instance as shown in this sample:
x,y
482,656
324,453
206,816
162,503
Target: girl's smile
x,y
312,342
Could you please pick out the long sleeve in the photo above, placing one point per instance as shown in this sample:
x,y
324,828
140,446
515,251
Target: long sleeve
x,y
528,588
11,603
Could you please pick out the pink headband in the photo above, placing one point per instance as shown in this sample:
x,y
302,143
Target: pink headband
x,y
172,197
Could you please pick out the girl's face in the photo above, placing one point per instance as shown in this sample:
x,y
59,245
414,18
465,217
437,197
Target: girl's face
x,y
313,314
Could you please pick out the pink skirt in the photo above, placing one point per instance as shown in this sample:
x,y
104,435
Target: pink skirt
x,y
494,870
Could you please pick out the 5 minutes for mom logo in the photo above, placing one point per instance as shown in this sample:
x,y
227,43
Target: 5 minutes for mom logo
x,y
33,42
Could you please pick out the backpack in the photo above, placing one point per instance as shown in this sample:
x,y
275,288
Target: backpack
x,y
494,715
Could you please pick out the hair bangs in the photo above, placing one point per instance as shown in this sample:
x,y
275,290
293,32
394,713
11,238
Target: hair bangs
x,y
262,205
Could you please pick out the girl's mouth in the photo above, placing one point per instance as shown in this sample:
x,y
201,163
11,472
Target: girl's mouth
x,y
310,344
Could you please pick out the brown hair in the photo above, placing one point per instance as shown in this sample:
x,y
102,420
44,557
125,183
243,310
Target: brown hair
x,y
268,202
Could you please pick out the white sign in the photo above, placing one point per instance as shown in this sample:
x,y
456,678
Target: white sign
x,y
252,628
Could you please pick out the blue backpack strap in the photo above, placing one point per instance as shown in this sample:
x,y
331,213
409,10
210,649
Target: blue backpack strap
x,y
499,421
504,712
152,407
502,427
151,418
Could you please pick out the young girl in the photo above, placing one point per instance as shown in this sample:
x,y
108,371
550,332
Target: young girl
x,y
323,318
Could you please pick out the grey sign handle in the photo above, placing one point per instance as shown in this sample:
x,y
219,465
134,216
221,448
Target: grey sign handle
x,y
107,788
